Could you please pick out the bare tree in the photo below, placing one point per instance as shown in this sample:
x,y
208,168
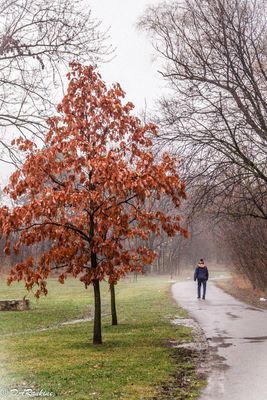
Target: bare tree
x,y
37,38
246,242
214,56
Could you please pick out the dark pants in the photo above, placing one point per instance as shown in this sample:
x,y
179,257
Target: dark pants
x,y
204,284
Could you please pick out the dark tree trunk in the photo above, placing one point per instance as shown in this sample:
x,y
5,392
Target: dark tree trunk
x,y
97,339
113,304
97,336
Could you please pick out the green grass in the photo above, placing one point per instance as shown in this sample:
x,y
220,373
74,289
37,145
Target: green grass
x,y
133,362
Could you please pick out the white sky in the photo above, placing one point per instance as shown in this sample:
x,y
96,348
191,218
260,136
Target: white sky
x,y
132,66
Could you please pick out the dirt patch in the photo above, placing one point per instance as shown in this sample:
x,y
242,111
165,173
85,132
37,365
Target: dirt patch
x,y
244,292
191,365
187,381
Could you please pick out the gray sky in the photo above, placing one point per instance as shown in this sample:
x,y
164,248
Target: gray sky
x,y
132,67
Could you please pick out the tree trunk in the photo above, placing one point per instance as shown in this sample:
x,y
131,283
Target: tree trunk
x,y
113,304
97,339
97,335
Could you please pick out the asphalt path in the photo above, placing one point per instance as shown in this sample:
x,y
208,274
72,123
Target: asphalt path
x,y
237,336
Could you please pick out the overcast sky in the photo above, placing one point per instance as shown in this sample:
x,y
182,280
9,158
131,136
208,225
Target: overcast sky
x,y
132,67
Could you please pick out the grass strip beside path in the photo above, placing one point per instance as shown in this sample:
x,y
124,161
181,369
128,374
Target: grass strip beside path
x,y
135,361
244,292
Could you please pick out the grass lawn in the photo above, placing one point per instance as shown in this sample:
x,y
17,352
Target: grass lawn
x,y
134,362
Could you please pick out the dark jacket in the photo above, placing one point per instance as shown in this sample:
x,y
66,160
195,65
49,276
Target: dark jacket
x,y
201,273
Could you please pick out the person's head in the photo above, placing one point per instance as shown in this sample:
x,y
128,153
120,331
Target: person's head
x,y
201,261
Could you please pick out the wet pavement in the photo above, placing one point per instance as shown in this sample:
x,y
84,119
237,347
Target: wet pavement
x,y
237,337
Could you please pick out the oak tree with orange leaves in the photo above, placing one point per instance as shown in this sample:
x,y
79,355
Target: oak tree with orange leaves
x,y
86,192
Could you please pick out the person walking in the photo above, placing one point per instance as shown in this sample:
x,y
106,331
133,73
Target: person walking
x,y
201,275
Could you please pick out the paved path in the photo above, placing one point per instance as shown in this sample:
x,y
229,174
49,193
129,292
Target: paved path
x,y
237,334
